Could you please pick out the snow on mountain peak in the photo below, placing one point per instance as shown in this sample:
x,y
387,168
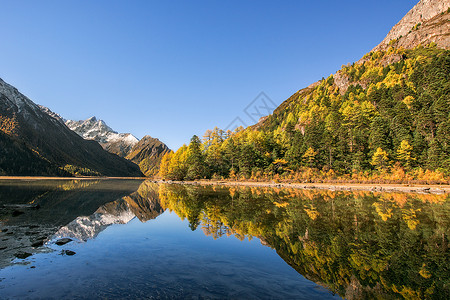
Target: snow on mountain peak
x,y
13,97
97,130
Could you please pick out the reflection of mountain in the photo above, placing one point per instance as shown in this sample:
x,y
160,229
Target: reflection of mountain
x,y
359,245
88,227
143,204
35,210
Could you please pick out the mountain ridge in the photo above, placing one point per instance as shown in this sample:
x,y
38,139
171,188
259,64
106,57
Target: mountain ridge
x,y
41,132
146,153
97,130
423,11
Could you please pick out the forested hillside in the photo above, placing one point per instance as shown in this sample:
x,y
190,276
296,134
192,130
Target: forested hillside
x,y
384,118
17,159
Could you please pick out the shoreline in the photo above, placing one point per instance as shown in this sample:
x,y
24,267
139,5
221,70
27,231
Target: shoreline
x,y
405,188
68,178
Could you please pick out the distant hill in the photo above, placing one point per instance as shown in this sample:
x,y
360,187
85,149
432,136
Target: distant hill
x,y
31,133
146,153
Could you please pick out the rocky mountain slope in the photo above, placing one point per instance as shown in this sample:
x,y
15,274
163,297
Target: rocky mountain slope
x,y
38,132
148,154
426,22
18,159
97,130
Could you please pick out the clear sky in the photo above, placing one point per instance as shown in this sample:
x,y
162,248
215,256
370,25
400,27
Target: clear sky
x,y
172,69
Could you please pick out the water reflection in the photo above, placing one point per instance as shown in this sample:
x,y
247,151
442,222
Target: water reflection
x,y
143,204
358,245
31,211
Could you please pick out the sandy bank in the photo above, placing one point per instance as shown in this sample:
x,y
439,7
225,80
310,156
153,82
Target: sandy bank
x,y
405,188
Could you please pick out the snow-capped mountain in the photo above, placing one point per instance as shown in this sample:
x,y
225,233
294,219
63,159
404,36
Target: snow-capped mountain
x,y
147,152
34,141
110,140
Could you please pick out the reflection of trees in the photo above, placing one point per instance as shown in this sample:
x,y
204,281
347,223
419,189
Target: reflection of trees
x,y
359,245
144,203
76,184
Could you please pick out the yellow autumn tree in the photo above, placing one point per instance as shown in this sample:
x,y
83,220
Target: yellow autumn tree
x,y
165,164
404,153
380,159
310,156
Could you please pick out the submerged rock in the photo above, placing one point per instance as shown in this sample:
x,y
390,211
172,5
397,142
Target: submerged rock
x,y
37,244
68,252
16,213
22,255
63,241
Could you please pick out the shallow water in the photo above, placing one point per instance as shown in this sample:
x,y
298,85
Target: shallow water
x,y
135,239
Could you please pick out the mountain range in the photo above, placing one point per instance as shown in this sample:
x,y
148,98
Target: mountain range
x,y
36,141
110,140
30,133
146,153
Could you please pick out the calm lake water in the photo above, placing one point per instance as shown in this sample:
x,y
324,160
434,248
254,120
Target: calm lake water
x,y
138,239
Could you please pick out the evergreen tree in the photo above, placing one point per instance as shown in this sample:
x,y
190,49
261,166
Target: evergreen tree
x,y
195,160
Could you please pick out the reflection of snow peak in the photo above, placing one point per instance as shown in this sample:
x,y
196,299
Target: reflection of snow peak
x,y
143,204
84,228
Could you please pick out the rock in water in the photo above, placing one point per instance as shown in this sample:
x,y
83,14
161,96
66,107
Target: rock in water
x,y
22,255
69,252
16,213
63,241
37,244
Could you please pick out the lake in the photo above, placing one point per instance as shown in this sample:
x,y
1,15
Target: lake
x,y
134,239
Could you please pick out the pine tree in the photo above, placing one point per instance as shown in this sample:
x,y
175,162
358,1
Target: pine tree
x,y
195,160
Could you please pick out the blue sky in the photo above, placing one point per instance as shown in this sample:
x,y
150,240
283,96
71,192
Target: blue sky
x,y
172,69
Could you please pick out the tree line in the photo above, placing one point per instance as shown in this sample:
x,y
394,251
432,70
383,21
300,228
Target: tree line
x,y
389,121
